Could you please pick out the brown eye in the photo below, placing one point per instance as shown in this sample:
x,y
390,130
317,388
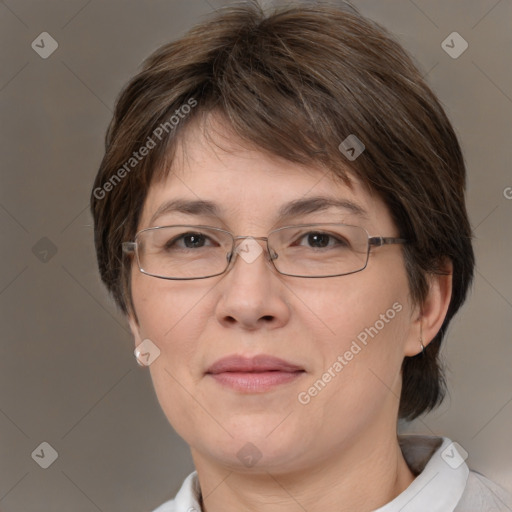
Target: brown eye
x,y
320,240
187,241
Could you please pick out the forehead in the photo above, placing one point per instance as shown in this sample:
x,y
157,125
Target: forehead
x,y
215,176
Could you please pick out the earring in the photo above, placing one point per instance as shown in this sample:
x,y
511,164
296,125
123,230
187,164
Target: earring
x,y
422,346
136,355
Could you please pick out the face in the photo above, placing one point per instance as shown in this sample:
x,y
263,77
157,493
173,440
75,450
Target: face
x,y
345,336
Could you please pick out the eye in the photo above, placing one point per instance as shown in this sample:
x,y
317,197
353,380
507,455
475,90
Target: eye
x,y
321,240
189,241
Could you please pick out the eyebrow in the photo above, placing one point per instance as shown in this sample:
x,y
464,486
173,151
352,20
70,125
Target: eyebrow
x,y
294,208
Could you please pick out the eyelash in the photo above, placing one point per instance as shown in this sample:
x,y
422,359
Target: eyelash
x,y
172,242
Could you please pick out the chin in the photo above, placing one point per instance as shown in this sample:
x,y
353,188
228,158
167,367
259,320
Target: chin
x,y
258,456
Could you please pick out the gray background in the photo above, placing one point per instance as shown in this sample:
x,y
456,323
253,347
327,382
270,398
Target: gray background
x,y
67,371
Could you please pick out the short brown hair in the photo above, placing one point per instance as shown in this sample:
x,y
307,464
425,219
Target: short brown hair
x,y
295,84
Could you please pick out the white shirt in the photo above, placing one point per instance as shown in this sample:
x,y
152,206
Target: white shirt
x,y
443,483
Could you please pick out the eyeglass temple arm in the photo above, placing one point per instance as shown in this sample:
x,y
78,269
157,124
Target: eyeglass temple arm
x,y
377,241
129,247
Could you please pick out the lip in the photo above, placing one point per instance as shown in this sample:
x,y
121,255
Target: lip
x,y
253,374
258,363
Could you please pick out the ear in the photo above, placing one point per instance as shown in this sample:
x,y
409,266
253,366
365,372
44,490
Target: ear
x,y
135,328
430,315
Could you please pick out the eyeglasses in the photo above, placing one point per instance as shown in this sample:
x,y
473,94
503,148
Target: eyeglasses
x,y
304,250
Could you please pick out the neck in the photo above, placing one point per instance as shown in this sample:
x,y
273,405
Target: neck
x,y
356,476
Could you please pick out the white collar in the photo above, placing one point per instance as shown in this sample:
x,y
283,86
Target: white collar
x,y
438,487
441,483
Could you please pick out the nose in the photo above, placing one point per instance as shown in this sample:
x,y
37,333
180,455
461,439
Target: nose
x,y
249,249
251,293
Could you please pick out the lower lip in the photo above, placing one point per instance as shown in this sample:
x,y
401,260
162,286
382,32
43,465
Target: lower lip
x,y
254,382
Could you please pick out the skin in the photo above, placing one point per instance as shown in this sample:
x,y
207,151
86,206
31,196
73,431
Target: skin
x,y
339,451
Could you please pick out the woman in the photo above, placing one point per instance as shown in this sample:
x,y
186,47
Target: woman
x,y
280,214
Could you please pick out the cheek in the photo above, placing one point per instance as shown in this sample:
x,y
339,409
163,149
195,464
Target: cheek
x,y
348,306
360,332
359,370
171,316
169,312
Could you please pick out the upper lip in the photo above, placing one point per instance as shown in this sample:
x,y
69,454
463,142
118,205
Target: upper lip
x,y
258,363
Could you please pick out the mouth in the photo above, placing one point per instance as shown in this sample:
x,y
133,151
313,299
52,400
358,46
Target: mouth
x,y
255,374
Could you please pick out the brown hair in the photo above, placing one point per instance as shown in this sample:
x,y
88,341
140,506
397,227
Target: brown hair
x,y
295,84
